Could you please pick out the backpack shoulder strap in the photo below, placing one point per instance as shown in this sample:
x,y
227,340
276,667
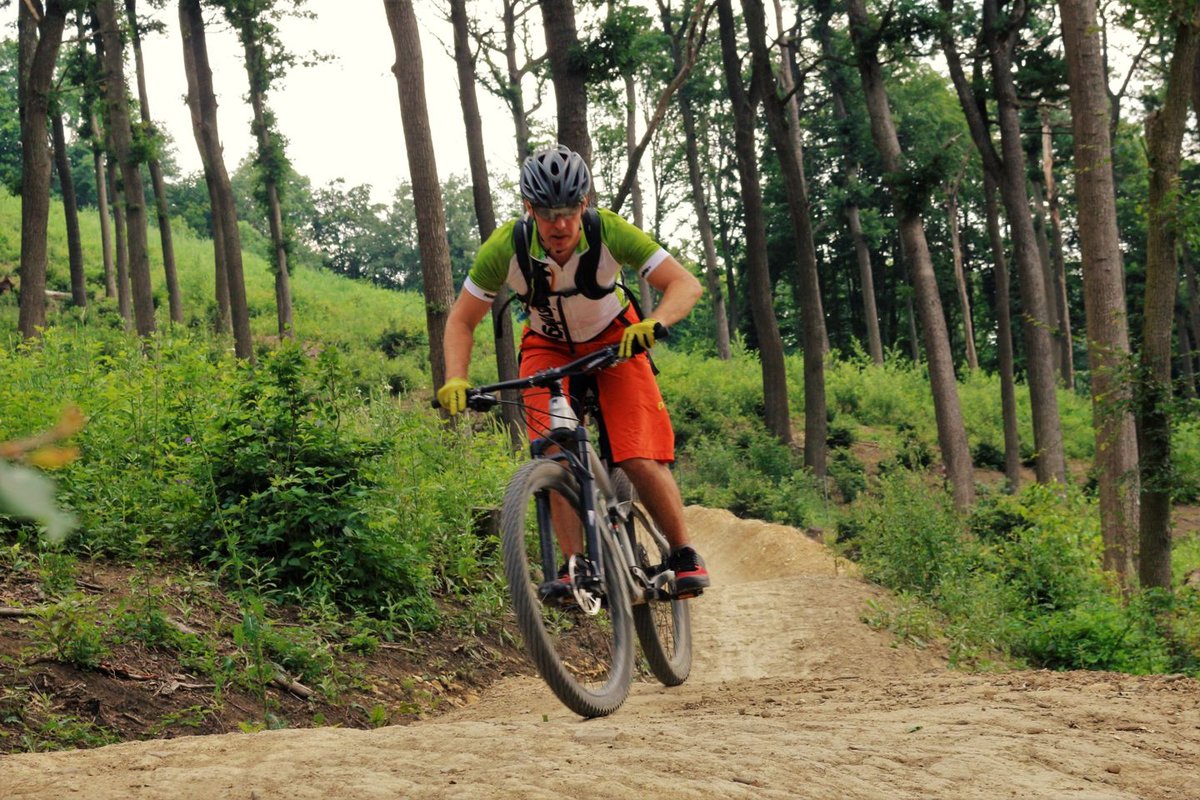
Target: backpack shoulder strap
x,y
521,233
589,262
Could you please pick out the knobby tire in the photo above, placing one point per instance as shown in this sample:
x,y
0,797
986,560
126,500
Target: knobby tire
x,y
522,568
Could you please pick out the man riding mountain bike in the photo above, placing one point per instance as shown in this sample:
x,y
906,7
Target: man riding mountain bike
x,y
562,260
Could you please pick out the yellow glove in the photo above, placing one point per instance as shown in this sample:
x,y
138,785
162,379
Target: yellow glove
x,y
640,332
453,395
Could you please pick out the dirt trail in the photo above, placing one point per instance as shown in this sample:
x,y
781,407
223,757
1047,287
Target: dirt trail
x,y
791,696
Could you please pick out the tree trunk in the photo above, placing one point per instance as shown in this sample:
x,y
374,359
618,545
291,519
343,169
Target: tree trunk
x,y
174,299
40,39
770,344
427,193
1041,225
202,103
1192,308
568,72
1164,141
1008,393
515,97
1009,172
1039,348
70,211
784,139
862,251
1103,287
121,229
791,106
131,177
270,166
1187,370
712,269
712,275
645,293
960,277
1067,357
952,434
110,276
506,357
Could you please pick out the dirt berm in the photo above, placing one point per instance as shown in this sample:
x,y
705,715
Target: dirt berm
x,y
791,696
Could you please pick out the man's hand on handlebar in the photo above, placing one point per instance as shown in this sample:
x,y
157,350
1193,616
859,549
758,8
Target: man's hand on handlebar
x,y
453,395
640,336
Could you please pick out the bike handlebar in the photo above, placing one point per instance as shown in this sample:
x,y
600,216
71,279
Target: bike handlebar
x,y
481,398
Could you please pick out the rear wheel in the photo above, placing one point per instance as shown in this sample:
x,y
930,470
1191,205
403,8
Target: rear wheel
x,y
664,627
586,659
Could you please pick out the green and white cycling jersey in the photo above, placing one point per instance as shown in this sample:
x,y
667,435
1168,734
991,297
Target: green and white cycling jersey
x,y
569,317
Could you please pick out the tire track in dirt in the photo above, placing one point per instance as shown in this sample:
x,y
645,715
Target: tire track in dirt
x,y
791,696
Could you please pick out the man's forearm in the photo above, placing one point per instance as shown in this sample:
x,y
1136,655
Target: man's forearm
x,y
676,302
457,349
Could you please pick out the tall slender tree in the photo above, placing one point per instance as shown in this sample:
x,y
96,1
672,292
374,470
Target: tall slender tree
x,y
265,59
506,82
569,74
227,240
120,235
418,141
1164,139
838,89
785,141
121,137
687,115
1103,286
1061,299
150,133
952,434
960,278
766,326
999,35
40,36
62,165
1004,338
485,215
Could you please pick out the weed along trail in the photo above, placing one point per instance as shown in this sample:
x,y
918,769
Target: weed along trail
x,y
791,695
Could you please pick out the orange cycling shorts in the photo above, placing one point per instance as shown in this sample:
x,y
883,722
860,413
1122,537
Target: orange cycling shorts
x,y
636,419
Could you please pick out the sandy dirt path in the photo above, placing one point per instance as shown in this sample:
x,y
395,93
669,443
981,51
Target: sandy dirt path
x,y
791,696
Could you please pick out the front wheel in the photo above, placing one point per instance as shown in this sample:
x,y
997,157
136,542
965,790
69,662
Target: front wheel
x,y
586,659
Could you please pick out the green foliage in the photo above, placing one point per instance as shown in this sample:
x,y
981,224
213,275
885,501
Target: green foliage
x,y
71,630
289,483
848,474
1020,578
41,729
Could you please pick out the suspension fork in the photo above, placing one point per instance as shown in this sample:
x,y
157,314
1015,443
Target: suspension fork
x,y
577,457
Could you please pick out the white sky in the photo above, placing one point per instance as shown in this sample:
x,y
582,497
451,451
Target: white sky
x,y
341,118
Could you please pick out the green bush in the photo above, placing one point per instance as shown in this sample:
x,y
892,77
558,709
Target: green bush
x,y
848,474
1020,578
290,480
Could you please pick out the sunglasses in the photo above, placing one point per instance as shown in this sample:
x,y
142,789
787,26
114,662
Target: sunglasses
x,y
556,213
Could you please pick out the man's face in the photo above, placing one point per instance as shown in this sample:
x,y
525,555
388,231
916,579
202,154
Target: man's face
x,y
558,228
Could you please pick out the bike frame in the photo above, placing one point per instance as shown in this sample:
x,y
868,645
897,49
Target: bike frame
x,y
569,443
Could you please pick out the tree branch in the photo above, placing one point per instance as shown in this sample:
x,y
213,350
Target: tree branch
x,y
695,29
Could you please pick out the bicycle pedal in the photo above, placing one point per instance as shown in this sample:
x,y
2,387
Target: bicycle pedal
x,y
687,595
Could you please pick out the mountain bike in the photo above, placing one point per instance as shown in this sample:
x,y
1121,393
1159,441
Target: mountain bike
x,y
619,584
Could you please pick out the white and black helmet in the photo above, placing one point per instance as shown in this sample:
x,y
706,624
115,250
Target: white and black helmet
x,y
555,177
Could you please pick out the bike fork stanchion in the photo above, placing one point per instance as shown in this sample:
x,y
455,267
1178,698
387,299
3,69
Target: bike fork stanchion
x,y
549,567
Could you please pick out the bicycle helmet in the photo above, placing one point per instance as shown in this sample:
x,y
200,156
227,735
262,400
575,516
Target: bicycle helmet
x,y
555,177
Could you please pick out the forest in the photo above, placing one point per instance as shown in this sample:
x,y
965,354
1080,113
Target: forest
x,y
951,326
